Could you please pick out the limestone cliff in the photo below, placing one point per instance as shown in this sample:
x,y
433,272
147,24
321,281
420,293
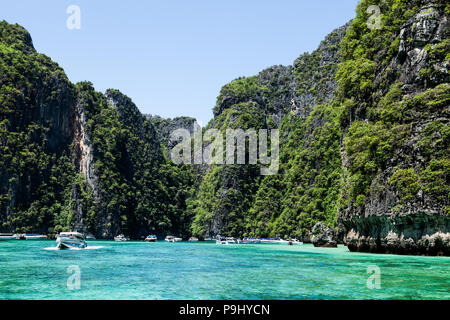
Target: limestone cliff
x,y
406,207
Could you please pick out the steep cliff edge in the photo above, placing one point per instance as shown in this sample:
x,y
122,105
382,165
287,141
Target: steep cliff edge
x,y
75,159
236,200
36,131
396,152
364,145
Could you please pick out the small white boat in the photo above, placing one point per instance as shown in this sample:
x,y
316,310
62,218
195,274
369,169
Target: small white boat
x,y
270,240
90,237
151,238
121,238
193,239
294,241
173,239
70,240
35,237
251,240
7,237
227,240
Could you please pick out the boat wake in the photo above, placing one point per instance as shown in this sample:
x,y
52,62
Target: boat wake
x,y
76,249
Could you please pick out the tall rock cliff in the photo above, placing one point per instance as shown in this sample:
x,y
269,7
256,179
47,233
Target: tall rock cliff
x,y
364,138
395,197
364,144
76,159
236,200
36,130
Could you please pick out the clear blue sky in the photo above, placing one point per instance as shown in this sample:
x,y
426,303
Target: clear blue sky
x,y
172,57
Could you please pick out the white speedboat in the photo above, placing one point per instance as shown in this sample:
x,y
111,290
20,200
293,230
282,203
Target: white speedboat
x,y
220,240
193,239
90,237
251,240
35,237
121,238
70,240
7,236
231,240
227,240
151,238
270,240
173,239
294,241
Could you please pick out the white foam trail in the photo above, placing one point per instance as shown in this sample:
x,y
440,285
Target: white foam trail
x,y
78,249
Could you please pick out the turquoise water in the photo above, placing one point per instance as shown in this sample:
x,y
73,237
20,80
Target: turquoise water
x,y
138,270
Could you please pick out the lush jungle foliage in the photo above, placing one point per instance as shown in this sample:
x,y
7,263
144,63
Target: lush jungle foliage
x,y
349,129
369,124
137,190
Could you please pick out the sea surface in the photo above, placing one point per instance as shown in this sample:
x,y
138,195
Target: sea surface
x,y
139,270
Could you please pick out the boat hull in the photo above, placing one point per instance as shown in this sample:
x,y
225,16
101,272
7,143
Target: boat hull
x,y
121,239
226,242
69,243
35,238
7,238
173,239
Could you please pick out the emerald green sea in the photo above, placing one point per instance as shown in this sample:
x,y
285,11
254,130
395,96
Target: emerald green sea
x,y
138,270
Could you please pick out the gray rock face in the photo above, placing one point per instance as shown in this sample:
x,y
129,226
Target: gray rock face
x,y
164,127
281,90
42,112
84,153
324,236
422,225
297,88
428,27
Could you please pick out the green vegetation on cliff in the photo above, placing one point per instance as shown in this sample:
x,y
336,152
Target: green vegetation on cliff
x,y
132,187
363,126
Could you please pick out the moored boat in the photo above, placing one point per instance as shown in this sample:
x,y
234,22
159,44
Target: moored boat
x,y
7,237
271,240
121,238
90,237
173,239
151,238
231,240
193,239
70,240
35,237
294,241
227,240
251,240
221,241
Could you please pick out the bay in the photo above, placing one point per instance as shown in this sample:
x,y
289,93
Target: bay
x,y
173,271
